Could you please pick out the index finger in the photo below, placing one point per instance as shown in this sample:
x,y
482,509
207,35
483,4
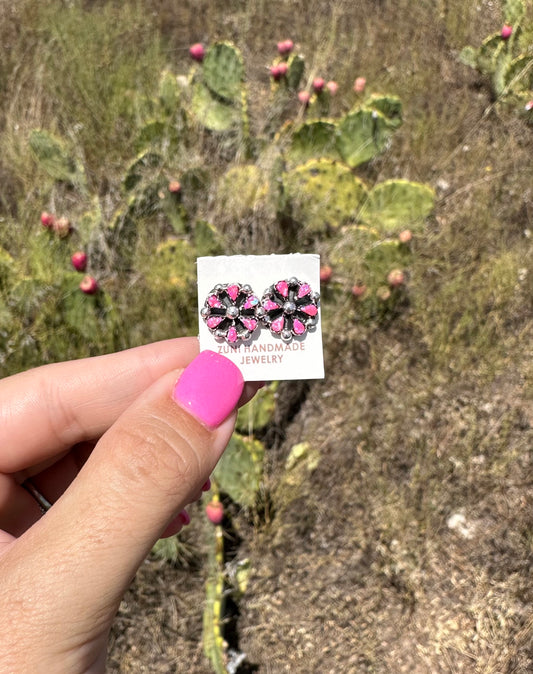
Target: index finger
x,y
45,411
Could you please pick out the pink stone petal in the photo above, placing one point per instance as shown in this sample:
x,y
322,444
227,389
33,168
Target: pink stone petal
x,y
233,291
283,288
277,325
214,302
249,323
214,321
309,309
298,327
251,302
232,335
269,305
304,290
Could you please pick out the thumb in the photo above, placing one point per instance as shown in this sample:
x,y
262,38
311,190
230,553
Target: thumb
x,y
141,474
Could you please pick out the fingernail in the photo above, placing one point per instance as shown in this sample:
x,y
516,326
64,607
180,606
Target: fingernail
x,y
184,517
209,388
206,485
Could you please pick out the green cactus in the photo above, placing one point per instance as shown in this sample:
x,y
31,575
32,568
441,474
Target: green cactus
x,y
296,67
389,106
212,113
362,134
323,195
394,205
514,11
240,190
384,256
500,59
53,156
239,472
207,240
259,412
7,267
169,92
172,268
311,140
223,71
144,164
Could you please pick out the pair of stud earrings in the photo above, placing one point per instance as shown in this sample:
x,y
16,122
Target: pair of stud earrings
x,y
233,312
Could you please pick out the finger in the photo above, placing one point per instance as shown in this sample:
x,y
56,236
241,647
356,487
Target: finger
x,y
141,474
49,409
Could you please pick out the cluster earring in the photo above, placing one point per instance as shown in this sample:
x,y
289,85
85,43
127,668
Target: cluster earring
x,y
288,308
229,312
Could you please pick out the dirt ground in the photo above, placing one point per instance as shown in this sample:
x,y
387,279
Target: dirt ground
x,y
409,547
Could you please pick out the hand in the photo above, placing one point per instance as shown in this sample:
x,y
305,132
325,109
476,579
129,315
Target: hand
x,y
119,444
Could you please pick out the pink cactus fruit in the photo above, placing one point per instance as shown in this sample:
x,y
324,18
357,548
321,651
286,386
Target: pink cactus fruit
x,y
304,97
197,52
61,227
174,187
88,285
47,219
285,47
215,512
396,278
405,236
359,85
507,31
326,272
332,87
79,260
318,85
358,290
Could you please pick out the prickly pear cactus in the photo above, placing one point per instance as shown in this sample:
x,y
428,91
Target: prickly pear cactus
x,y
54,158
240,470
395,205
361,135
296,68
240,190
505,58
218,92
223,71
323,194
312,140
389,106
259,412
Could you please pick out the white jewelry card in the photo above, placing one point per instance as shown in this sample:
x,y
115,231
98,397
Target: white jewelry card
x,y
263,313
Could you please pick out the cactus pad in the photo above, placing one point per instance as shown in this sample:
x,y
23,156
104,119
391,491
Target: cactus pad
x,y
296,67
211,112
323,194
240,469
398,204
312,140
240,190
223,71
54,158
389,106
142,165
361,135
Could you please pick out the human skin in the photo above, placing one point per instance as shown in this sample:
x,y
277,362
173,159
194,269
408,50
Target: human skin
x,y
119,444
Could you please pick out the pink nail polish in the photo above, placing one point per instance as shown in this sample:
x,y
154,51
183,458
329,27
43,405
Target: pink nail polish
x,y
209,388
184,517
206,485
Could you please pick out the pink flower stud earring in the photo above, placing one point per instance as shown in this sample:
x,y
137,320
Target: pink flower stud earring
x,y
289,308
229,312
